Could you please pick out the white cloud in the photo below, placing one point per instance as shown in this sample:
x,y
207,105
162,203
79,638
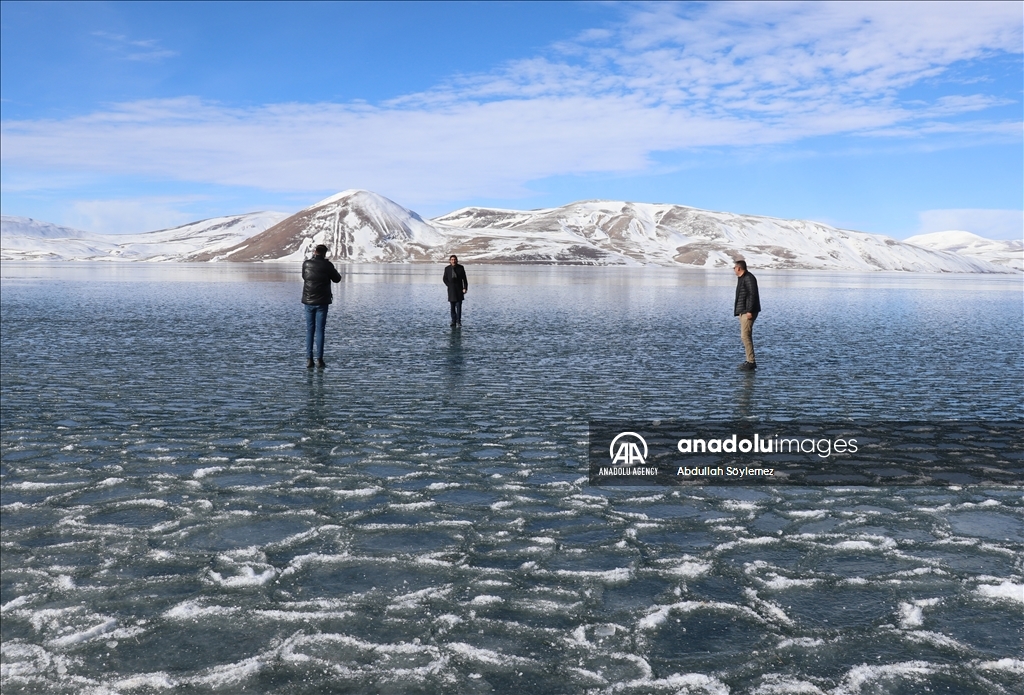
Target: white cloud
x,y
992,224
671,77
147,50
454,151
128,216
766,56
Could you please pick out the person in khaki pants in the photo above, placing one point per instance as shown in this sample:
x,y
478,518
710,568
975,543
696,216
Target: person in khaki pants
x,y
747,307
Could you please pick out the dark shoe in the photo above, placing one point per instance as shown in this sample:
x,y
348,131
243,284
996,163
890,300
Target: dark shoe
x,y
453,324
459,324
320,363
748,366
309,363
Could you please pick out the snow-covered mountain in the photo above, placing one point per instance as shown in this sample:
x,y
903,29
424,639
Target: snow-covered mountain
x,y
357,226
34,229
604,231
22,238
1009,253
361,226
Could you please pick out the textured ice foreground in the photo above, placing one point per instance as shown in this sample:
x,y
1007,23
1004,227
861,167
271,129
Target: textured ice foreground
x,y
187,509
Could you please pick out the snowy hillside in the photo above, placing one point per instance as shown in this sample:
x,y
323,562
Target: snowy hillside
x,y
357,225
34,229
639,233
26,239
22,238
1009,253
361,226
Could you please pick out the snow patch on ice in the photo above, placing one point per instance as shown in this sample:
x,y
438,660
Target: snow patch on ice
x,y
85,635
777,684
658,615
690,568
203,472
778,582
807,513
937,639
864,675
15,602
1006,590
805,642
1010,665
855,545
740,542
912,615
194,609
359,492
619,575
155,681
246,577
486,600
485,656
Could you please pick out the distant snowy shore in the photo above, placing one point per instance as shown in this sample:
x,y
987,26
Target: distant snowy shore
x,y
361,226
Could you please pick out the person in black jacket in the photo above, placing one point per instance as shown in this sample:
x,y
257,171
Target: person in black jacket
x,y
317,275
747,307
455,279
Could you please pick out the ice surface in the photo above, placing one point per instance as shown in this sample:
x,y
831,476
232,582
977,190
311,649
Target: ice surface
x,y
185,506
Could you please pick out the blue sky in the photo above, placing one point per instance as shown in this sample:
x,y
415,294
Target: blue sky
x,y
883,117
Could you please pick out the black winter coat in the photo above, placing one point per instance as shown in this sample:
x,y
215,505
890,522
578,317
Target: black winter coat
x,y
747,298
317,275
455,279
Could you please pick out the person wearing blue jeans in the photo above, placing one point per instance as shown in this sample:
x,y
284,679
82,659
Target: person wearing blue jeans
x,y
316,320
317,275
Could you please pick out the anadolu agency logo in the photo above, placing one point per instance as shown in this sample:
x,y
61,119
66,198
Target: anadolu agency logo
x,y
628,453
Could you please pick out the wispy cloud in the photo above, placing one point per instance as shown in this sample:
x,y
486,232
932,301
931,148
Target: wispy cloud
x,y
669,78
134,49
133,215
777,62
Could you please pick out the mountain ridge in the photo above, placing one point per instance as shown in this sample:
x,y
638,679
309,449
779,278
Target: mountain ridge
x,y
1006,252
363,226
23,238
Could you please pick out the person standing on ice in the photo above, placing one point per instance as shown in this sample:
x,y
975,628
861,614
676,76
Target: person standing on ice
x,y
317,275
747,306
455,279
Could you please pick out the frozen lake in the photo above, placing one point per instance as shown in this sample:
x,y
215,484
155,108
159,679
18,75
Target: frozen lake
x,y
187,508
